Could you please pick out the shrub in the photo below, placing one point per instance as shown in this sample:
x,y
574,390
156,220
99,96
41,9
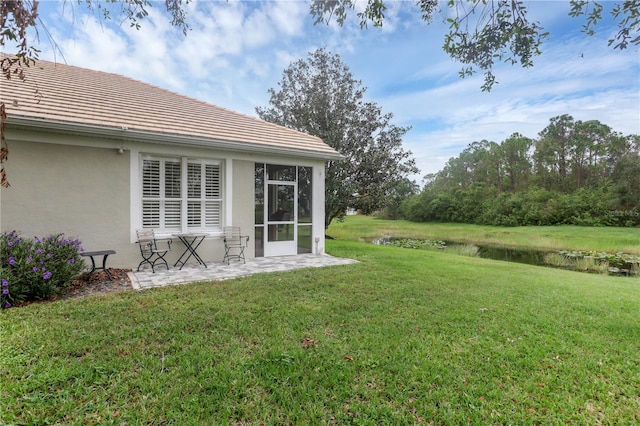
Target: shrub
x,y
36,269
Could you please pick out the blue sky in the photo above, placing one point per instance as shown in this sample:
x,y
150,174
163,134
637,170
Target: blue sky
x,y
237,50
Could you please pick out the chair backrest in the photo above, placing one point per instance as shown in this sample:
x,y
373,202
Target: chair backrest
x,y
145,235
232,232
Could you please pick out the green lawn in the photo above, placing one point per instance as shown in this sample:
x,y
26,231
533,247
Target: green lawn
x,y
566,237
403,337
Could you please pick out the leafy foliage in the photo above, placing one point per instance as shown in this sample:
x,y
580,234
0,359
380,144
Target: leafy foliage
x,y
400,192
484,32
136,10
626,13
36,269
319,96
579,173
594,262
411,243
500,33
16,17
617,260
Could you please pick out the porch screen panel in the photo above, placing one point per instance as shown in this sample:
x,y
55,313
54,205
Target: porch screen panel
x,y
259,193
305,184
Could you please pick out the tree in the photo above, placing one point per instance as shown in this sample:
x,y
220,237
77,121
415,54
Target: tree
x,y
403,190
627,180
516,161
588,152
319,96
483,32
553,153
576,172
625,173
573,154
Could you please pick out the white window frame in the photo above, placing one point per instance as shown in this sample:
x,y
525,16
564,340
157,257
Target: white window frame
x,y
213,196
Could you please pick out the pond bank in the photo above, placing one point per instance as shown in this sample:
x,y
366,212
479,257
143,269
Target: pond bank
x,y
618,264
550,238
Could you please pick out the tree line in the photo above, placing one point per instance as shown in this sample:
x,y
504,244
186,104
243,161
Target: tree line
x,y
575,172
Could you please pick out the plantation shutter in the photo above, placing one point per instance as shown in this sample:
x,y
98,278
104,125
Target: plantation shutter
x,y
172,194
150,193
181,195
194,193
213,201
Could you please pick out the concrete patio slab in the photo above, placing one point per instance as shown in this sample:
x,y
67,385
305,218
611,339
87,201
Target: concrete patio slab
x,y
216,271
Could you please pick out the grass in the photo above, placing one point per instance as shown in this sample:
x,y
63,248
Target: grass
x,y
402,337
566,237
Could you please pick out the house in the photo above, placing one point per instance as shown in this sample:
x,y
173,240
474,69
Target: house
x,y
98,155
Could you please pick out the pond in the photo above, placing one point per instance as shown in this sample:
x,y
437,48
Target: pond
x,y
604,263
531,257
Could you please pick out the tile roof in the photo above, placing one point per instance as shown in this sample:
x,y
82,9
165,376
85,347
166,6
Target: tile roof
x,y
72,96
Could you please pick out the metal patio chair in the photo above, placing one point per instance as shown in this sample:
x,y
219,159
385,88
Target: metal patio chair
x,y
149,250
234,244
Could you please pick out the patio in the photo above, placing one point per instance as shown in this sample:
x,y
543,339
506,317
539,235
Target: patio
x,y
220,271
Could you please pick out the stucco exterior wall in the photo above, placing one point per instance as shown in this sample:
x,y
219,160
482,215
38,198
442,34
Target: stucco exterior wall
x,y
78,190
318,231
90,188
243,199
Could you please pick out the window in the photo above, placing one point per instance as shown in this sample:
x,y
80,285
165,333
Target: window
x,y
181,194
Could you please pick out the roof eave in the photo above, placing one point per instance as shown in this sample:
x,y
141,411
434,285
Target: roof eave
x,y
124,134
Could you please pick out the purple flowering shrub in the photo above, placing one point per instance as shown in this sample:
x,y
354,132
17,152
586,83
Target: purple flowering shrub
x,y
36,269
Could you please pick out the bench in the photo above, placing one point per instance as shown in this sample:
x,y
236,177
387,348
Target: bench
x,y
104,254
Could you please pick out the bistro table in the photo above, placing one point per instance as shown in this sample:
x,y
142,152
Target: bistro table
x,y
191,241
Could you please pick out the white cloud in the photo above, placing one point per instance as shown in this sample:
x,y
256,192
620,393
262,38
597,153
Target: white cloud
x,y
287,16
236,50
602,84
